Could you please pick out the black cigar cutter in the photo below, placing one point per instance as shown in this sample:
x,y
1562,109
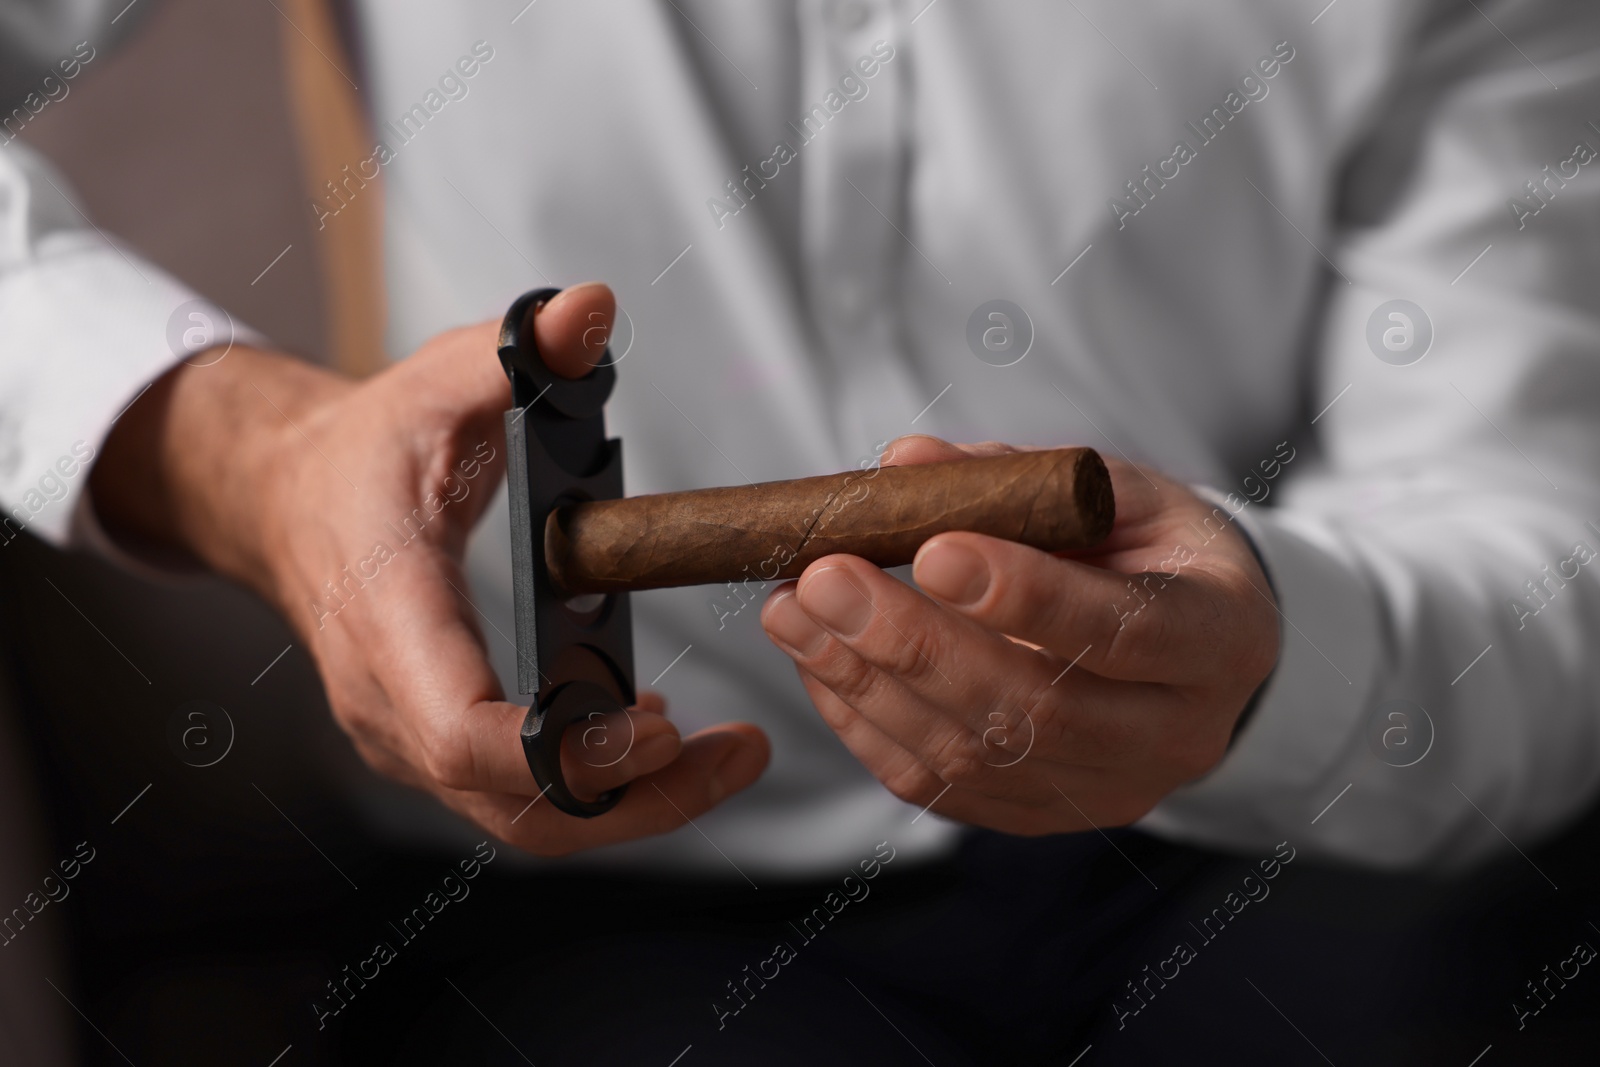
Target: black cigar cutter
x,y
574,655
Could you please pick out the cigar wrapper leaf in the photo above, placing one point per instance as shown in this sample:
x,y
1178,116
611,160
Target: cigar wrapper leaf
x,y
1056,500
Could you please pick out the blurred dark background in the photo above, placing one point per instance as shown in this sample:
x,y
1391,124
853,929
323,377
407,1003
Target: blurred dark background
x,y
179,141
192,112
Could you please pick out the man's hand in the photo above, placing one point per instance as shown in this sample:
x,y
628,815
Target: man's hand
x,y
347,506
1033,693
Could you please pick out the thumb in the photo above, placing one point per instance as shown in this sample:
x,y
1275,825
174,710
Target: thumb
x,y
572,329
915,448
457,371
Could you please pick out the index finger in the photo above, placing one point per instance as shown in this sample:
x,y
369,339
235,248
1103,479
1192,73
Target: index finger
x,y
1158,626
714,764
463,735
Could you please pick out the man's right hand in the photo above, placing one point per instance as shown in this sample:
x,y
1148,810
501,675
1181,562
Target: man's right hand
x,y
347,506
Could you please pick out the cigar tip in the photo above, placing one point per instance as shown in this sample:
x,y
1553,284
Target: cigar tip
x,y
1097,503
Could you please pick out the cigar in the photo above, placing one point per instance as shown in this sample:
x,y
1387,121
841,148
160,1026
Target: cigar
x,y
1056,500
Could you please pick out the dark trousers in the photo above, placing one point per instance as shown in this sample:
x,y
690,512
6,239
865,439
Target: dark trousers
x,y
1032,952
220,919
1018,952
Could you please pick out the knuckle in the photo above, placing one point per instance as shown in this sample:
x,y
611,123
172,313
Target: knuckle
x,y
966,772
913,654
959,760
1058,734
1073,722
835,711
852,678
1048,710
1052,737
913,785
447,760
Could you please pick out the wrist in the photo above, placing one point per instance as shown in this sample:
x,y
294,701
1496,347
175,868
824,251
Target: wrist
x,y
203,462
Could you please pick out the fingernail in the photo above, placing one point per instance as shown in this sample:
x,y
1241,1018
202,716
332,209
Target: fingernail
x,y
836,600
573,328
570,294
952,572
785,620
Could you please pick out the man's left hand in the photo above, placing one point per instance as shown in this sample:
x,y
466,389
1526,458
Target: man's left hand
x,y
1034,693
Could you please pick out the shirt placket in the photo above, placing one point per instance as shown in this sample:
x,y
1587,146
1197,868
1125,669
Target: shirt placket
x,y
852,216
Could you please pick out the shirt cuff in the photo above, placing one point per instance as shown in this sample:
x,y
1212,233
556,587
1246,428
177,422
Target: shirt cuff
x,y
1309,713
90,327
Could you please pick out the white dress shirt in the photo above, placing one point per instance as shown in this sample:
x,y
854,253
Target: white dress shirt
x,y
1203,212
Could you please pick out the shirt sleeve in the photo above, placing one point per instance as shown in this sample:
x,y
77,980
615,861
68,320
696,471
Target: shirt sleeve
x,y
85,326
1433,550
